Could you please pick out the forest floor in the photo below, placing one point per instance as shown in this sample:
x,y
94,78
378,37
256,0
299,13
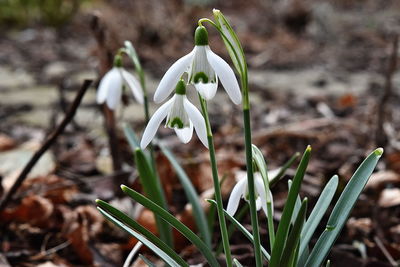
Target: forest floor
x,y
318,74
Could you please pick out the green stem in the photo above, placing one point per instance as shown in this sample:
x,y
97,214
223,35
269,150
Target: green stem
x,y
218,196
250,184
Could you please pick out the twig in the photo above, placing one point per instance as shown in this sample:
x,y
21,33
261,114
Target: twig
x,y
381,138
46,145
385,251
105,56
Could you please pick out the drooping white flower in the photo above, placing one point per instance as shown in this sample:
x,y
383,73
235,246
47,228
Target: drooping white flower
x,y
181,116
240,190
204,68
110,87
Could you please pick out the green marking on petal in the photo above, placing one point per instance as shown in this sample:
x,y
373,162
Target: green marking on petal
x,y
200,76
175,123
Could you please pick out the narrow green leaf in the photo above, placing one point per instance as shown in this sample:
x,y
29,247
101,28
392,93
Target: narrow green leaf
x,y
147,261
318,212
297,205
131,137
153,190
237,263
342,209
139,237
289,251
170,219
140,229
240,227
231,228
283,227
283,169
192,196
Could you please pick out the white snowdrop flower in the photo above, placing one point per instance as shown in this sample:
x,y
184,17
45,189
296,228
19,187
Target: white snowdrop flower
x,y
204,68
110,87
181,116
240,190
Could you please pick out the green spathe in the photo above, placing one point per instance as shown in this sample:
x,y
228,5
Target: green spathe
x,y
201,36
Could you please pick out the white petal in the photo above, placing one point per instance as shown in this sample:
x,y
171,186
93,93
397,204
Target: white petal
x,y
206,90
134,85
258,203
226,75
114,93
237,192
185,134
260,190
197,120
109,81
154,122
171,77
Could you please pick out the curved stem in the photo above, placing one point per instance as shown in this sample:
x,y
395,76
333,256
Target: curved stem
x,y
218,196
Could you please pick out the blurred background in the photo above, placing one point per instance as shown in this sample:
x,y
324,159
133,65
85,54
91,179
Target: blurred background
x,y
322,73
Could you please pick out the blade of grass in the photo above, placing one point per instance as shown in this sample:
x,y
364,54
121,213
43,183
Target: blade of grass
x,y
342,209
191,195
139,237
170,219
153,190
283,170
318,212
283,227
231,228
140,229
131,136
289,251
237,263
240,227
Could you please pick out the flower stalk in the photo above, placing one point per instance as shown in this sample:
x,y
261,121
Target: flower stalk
x,y
218,196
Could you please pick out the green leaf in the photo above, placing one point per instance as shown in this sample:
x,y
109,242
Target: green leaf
x,y
246,233
131,137
318,212
192,196
261,165
170,219
284,224
342,209
139,228
237,263
289,251
283,169
139,237
297,205
153,191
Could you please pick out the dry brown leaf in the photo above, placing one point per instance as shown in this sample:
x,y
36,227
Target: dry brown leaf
x,y
35,210
6,142
381,178
389,197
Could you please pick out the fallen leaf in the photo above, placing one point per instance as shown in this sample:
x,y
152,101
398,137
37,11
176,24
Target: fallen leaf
x,y
390,197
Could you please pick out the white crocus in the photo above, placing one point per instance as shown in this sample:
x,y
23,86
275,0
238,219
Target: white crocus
x,y
110,87
181,116
240,190
204,68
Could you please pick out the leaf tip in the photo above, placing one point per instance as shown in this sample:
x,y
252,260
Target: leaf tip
x,y
378,152
308,149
